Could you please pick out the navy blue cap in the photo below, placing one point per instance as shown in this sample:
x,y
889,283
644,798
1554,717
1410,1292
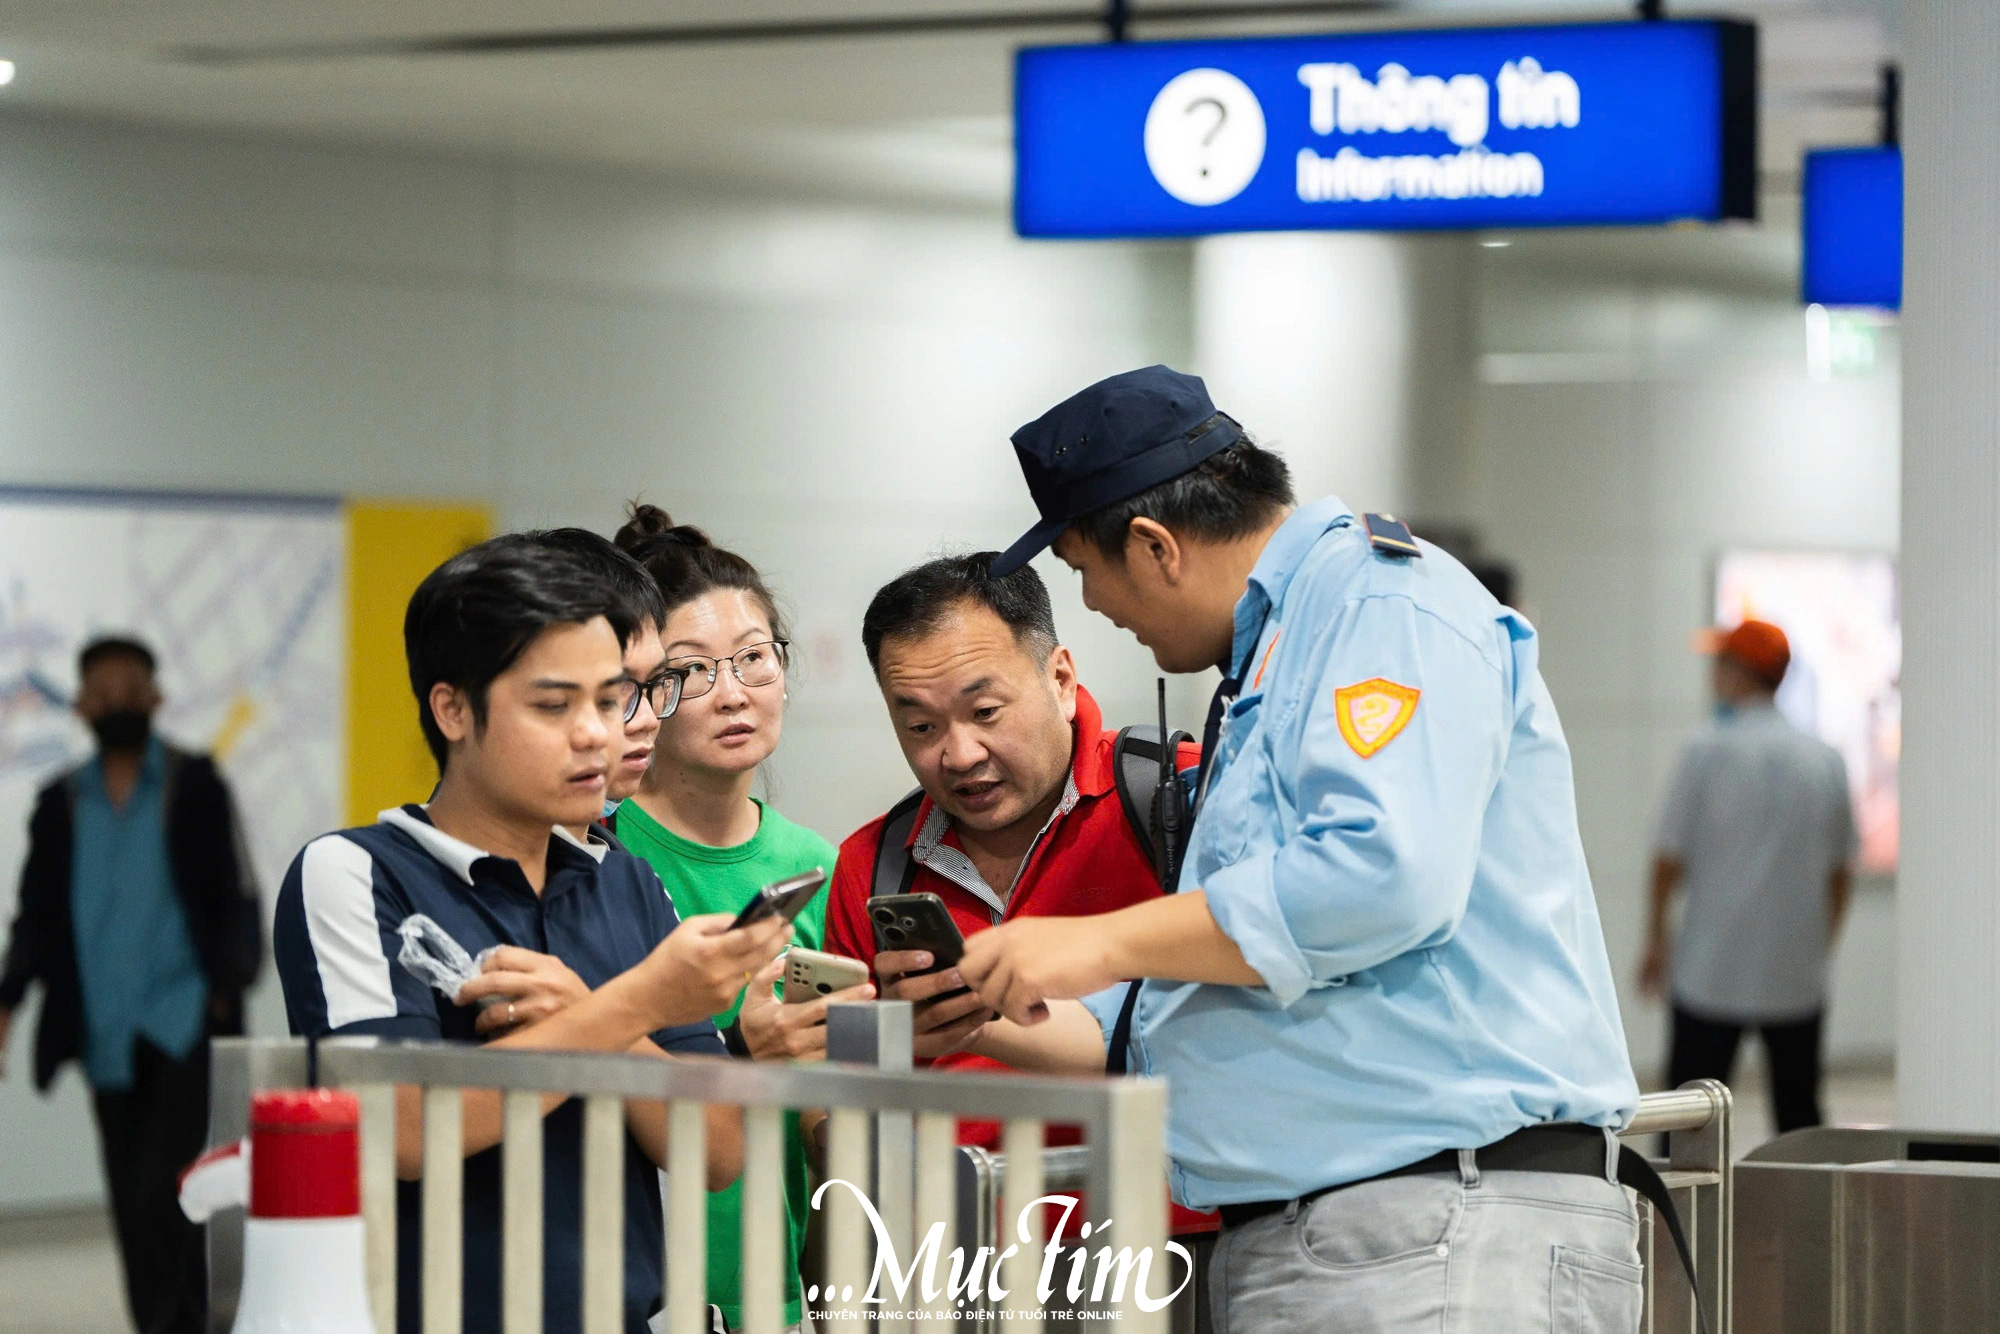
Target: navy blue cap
x,y
1117,438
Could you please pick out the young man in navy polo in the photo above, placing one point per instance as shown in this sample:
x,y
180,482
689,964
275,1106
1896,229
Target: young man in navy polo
x,y
515,656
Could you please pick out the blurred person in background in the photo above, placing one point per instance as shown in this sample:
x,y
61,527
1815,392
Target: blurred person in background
x,y
1759,833
139,917
695,821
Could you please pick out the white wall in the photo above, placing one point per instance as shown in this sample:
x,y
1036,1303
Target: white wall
x,y
1348,352
1626,431
827,388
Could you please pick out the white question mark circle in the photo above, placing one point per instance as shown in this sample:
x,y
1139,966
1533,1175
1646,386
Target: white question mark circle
x,y
1205,136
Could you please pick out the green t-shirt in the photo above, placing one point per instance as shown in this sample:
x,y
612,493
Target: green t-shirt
x,y
701,879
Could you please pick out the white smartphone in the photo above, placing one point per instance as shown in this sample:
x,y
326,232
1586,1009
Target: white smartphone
x,y
810,974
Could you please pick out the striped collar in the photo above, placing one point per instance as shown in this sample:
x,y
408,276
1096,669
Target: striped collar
x,y
953,864
458,855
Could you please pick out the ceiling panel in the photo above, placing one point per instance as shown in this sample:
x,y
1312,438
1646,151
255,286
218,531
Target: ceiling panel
x,y
910,115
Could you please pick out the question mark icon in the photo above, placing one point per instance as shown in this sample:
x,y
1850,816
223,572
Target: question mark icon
x,y
1186,149
1221,115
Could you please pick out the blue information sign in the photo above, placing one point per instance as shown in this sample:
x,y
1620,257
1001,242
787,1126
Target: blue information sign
x,y
1853,220
1581,124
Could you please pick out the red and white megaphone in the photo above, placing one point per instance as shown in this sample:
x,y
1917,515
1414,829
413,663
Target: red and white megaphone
x,y
303,1253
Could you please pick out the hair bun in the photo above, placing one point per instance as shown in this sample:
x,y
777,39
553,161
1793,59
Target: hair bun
x,y
649,526
686,535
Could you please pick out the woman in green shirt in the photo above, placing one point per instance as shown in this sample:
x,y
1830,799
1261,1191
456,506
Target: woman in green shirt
x,y
693,818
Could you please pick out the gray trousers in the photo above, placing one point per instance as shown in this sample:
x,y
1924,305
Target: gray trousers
x,y
1491,1253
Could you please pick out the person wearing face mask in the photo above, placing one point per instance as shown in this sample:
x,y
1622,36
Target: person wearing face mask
x,y
139,918
715,845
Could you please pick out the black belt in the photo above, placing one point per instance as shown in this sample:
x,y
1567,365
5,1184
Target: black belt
x,y
1574,1150
1570,1149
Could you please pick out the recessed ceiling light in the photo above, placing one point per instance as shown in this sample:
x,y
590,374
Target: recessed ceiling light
x,y
1496,244
6,72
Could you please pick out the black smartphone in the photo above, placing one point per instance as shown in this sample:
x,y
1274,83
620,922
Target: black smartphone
x,y
784,898
917,922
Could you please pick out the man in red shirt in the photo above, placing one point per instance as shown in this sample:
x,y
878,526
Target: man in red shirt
x,y
1020,815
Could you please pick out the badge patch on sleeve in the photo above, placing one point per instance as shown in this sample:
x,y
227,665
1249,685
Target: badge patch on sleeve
x,y
1371,713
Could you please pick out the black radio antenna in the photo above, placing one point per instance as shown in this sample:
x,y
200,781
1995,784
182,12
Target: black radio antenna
x,y
1170,802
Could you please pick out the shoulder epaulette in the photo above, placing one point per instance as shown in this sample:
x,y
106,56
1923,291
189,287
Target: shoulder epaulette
x,y
1390,536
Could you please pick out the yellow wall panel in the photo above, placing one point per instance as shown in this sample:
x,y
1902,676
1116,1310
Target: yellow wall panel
x,y
391,546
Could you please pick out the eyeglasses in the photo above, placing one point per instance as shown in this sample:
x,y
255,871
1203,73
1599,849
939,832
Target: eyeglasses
x,y
758,665
662,694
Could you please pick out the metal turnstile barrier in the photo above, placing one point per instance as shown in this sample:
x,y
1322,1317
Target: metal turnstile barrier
x,y
1700,1172
1841,1230
1124,1119
1066,1172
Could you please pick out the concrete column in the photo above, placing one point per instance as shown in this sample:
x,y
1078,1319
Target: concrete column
x,y
1948,968
1348,352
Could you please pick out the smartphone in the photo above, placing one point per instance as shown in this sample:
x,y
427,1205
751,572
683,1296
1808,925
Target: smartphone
x,y
810,974
917,922
784,898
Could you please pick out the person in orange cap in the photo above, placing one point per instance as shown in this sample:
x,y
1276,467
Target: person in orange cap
x,y
1753,657
1759,832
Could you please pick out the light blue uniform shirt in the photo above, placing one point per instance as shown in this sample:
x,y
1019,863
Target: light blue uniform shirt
x,y
1435,973
135,959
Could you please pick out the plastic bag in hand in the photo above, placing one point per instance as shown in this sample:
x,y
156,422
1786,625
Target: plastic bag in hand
x,y
433,957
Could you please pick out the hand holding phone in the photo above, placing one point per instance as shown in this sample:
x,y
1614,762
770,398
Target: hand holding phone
x,y
948,1014
705,961
917,922
795,1029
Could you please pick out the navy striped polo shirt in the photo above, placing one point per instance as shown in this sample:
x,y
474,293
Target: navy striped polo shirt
x,y
601,911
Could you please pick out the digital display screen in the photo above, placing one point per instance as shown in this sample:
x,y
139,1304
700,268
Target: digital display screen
x,y
1840,610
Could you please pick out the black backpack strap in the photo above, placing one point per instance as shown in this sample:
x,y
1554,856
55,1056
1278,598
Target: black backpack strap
x,y
1118,1054
1636,1172
895,868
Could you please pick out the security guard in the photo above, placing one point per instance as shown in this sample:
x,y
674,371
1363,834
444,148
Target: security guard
x,y
1382,996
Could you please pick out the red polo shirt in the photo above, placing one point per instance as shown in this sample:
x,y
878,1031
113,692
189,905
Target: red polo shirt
x,y
1088,860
